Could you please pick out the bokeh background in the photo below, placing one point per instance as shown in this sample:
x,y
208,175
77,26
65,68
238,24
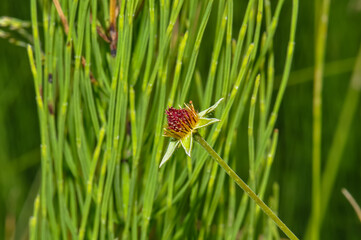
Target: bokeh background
x,y
19,131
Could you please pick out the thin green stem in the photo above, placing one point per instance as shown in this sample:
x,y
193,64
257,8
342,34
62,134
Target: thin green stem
x,y
320,45
33,224
252,171
244,186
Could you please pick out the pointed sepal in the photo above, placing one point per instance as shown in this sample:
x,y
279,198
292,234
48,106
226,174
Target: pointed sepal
x,y
170,150
187,143
202,122
210,109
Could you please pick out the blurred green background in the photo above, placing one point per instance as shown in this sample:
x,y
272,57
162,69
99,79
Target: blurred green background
x,y
19,131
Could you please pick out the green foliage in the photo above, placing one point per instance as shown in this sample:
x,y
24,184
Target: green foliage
x,y
101,98
100,189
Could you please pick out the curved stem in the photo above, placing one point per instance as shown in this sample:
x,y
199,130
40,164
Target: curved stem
x,y
245,187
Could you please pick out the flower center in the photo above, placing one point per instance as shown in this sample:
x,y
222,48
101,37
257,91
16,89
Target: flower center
x,y
180,121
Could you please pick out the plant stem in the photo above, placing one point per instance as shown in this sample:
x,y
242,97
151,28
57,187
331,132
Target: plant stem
x,y
322,10
244,186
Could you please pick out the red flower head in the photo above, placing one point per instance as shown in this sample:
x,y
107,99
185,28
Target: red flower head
x,y
182,123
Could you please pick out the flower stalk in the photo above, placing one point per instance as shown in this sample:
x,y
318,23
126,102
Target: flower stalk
x,y
198,138
183,125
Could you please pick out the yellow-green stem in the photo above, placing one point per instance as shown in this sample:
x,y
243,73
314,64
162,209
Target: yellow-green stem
x,y
245,187
320,46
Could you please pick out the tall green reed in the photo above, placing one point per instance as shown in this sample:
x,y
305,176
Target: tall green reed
x,y
101,93
321,26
